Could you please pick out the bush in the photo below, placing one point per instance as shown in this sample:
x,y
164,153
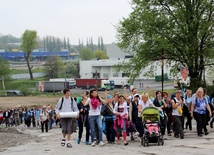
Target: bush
x,y
24,89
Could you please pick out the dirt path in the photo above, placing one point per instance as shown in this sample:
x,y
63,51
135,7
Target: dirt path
x,y
49,143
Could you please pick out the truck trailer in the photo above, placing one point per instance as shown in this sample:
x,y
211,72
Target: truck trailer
x,y
52,86
100,84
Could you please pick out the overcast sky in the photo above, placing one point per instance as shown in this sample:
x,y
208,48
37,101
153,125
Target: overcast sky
x,y
70,18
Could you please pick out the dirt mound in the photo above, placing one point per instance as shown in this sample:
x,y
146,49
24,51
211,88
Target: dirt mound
x,y
11,137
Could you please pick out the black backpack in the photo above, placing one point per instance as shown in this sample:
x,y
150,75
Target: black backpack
x,y
62,100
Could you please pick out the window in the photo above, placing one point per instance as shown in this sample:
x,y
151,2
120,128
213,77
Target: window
x,y
105,75
115,74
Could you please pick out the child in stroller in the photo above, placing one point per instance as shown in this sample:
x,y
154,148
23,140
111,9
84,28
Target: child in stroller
x,y
152,127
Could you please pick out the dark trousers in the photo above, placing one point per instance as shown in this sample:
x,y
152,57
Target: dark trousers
x,y
139,126
44,123
178,121
201,122
81,125
28,122
169,122
189,121
110,132
7,122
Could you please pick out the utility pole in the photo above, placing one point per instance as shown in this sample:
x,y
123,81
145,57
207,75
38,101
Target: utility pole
x,y
96,80
162,69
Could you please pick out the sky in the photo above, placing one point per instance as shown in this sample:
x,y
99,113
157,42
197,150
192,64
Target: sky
x,y
73,19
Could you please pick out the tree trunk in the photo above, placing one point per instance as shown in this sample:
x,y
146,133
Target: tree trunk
x,y
196,80
29,68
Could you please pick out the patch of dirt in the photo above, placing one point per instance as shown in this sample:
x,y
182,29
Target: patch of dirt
x,y
11,102
11,137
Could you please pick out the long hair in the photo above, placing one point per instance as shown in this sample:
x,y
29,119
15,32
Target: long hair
x,y
91,92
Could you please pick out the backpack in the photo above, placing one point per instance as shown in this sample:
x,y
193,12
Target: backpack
x,y
62,100
184,108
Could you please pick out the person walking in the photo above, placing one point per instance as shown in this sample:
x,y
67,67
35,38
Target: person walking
x,y
44,119
177,104
94,118
83,119
66,104
107,112
198,111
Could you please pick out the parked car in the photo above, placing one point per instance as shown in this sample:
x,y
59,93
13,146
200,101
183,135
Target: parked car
x,y
13,93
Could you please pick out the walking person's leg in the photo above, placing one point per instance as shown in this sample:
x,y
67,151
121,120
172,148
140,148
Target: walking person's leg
x,y
87,127
42,126
80,131
46,126
112,132
108,131
92,127
199,123
204,124
100,129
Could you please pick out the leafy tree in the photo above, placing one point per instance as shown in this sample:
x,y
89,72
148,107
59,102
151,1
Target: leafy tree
x,y
100,55
53,66
5,71
29,42
86,54
183,28
72,69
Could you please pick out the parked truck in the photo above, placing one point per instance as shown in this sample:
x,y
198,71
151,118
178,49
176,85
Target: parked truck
x,y
120,82
100,84
52,86
71,81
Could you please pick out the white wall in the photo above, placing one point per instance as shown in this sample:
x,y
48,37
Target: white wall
x,y
87,68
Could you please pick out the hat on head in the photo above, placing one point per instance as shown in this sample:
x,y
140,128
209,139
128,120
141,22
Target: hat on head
x,y
109,96
136,95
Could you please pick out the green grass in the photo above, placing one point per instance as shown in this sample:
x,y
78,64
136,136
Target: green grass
x,y
23,71
16,84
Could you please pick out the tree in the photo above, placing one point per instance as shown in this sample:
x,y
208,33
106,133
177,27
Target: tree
x,y
86,54
29,42
53,66
5,71
184,29
100,55
72,69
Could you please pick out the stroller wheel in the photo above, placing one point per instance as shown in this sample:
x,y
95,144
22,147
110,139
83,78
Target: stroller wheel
x,y
158,141
143,142
162,142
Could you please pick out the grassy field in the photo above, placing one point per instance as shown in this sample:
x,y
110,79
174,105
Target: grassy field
x,y
23,71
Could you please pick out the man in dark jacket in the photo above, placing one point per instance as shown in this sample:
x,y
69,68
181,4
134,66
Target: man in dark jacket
x,y
6,116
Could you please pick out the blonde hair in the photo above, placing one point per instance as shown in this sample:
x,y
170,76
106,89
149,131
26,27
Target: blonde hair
x,y
200,89
145,95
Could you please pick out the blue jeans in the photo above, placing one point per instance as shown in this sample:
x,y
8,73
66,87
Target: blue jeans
x,y
92,121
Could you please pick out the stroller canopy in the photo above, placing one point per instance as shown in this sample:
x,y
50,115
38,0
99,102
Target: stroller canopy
x,y
151,113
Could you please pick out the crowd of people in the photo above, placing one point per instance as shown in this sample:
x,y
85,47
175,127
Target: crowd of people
x,y
36,116
114,114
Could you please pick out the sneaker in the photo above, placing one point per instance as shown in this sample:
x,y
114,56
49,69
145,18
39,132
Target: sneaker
x,y
78,141
87,143
206,133
93,144
101,143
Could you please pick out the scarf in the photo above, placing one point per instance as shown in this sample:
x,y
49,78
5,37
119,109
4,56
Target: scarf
x,y
94,103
